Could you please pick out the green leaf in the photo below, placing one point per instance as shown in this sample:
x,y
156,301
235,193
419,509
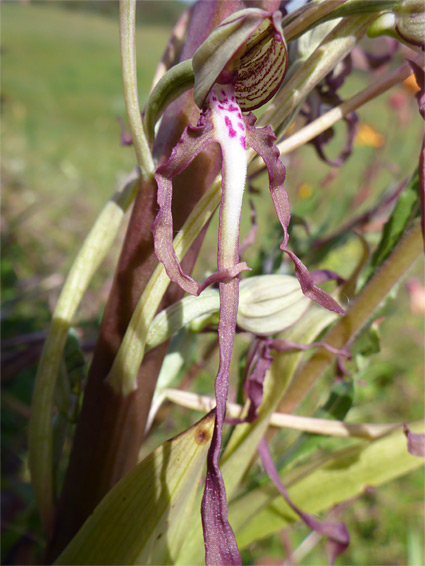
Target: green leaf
x,y
407,207
340,477
40,436
143,519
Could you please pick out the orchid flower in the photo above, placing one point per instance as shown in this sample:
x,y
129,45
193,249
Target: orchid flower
x,y
224,89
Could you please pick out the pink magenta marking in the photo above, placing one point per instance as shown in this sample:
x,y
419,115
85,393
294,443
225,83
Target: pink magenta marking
x,y
223,92
239,116
233,98
215,98
243,141
221,107
232,131
241,126
232,108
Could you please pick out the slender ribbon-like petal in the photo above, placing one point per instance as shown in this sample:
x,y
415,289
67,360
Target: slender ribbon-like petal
x,y
259,361
262,141
337,533
220,542
191,143
326,94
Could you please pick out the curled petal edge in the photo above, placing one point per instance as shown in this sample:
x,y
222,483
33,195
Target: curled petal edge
x,y
192,142
262,141
336,533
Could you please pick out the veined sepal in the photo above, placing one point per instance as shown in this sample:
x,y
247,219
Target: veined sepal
x,y
267,304
248,50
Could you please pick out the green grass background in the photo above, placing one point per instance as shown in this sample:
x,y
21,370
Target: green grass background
x,y
62,159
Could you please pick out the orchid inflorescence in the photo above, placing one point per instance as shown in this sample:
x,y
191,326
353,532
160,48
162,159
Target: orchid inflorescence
x,y
242,64
224,90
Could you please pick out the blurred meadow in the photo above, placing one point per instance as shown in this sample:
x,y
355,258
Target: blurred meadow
x,y
61,159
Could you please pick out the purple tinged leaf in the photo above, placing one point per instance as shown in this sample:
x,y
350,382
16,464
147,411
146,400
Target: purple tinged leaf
x,y
415,442
337,533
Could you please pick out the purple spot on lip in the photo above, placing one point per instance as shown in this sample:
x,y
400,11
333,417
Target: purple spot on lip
x,y
223,92
233,98
232,108
215,98
232,131
221,107
239,116
240,126
243,141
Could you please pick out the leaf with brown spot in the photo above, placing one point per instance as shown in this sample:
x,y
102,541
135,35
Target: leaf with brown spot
x,y
143,520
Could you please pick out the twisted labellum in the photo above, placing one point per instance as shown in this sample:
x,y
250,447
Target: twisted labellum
x,y
224,87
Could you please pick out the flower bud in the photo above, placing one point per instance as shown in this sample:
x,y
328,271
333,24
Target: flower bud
x,y
406,23
270,303
248,50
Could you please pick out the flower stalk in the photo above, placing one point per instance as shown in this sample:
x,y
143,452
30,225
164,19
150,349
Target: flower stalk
x,y
340,429
129,75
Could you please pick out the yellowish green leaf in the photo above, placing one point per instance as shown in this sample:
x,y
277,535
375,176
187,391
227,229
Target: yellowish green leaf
x,y
344,475
143,519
